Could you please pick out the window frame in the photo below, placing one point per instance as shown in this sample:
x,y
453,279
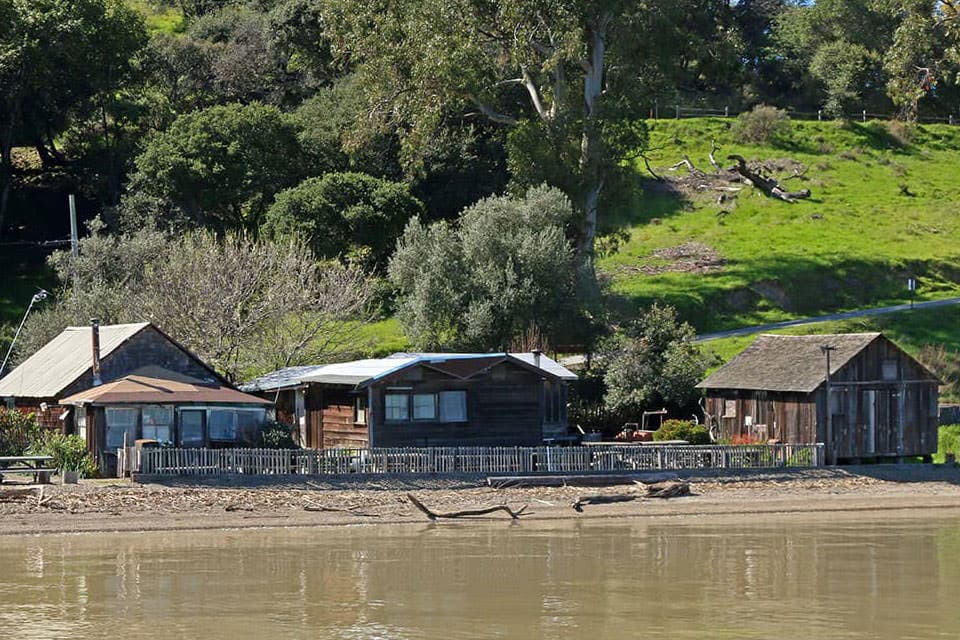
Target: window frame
x,y
387,417
132,429
434,404
460,418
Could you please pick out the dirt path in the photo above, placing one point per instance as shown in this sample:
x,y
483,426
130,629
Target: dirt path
x,y
96,506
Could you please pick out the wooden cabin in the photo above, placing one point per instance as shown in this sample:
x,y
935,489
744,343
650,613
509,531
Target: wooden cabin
x,y
423,400
77,383
877,403
169,408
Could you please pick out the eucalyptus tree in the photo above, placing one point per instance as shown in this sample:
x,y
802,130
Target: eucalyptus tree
x,y
566,77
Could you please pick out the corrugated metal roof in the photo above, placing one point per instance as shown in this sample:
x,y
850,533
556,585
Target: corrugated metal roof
x,y
787,363
547,364
363,371
64,359
164,387
280,379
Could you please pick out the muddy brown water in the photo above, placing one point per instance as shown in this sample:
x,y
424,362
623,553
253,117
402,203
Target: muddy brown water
x,y
865,576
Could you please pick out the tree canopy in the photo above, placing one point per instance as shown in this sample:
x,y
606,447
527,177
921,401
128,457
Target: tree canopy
x,y
505,269
343,213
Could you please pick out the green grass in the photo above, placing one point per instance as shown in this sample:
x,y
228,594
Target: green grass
x,y
378,339
851,245
158,17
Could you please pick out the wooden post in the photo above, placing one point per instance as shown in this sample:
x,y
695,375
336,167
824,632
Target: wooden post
x,y
831,451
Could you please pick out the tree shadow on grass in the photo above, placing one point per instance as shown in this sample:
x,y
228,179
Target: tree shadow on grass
x,y
769,289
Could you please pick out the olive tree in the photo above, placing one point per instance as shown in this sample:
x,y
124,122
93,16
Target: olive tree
x,y
506,267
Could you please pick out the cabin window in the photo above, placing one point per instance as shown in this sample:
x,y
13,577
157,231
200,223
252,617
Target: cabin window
x,y
360,409
396,407
222,425
889,369
81,422
453,406
191,428
424,406
157,423
729,408
120,422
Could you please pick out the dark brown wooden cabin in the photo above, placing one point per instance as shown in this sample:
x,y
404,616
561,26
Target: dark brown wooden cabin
x,y
83,358
423,400
882,402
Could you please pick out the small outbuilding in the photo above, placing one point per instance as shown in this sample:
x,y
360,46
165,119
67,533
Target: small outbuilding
x,y
876,402
423,400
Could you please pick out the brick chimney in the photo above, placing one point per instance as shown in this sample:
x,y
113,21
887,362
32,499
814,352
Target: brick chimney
x,y
95,337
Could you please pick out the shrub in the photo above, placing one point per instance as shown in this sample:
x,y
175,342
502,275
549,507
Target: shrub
x,y
762,125
948,439
18,431
683,430
276,435
69,453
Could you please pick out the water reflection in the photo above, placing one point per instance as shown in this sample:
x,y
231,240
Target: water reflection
x,y
787,578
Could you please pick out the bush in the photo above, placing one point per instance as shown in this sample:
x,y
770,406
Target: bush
x,y
69,453
762,125
276,435
948,440
18,431
682,430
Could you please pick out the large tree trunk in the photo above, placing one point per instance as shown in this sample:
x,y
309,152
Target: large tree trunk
x,y
590,143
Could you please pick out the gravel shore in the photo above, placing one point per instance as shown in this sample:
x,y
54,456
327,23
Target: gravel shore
x,y
105,505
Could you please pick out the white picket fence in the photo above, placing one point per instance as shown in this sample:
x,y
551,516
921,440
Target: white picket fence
x,y
500,460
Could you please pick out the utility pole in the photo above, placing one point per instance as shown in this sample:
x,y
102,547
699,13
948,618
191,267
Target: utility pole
x,y
831,457
74,235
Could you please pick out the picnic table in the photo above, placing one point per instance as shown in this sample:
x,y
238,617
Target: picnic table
x,y
39,466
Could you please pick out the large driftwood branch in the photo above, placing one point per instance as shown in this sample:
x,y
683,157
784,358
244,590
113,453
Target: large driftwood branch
x,y
768,185
667,489
602,499
433,515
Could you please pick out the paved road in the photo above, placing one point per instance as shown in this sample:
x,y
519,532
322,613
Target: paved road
x,y
932,304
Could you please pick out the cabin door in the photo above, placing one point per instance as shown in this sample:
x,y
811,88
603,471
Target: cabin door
x,y
300,410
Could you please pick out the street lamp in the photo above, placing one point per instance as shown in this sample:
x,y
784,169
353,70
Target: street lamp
x,y
37,297
826,349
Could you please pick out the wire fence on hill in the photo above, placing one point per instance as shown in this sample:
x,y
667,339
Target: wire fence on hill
x,y
677,112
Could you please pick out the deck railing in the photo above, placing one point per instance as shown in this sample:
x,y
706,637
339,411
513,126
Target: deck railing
x,y
500,460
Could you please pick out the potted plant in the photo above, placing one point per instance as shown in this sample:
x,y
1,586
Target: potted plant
x,y
70,456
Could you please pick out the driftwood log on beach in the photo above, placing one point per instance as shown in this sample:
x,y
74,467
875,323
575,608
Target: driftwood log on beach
x,y
434,515
596,480
667,489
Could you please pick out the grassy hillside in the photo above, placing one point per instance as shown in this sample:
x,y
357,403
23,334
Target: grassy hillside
x,y
882,209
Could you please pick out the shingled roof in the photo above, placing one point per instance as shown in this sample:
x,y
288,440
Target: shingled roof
x,y
787,363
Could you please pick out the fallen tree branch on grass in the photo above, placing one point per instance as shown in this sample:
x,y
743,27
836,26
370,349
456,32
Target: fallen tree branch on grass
x,y
769,186
433,515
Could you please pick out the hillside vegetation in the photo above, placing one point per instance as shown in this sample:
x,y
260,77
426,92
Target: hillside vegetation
x,y
882,209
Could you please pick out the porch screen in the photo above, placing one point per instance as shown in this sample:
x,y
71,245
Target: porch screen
x,y
119,422
453,406
222,424
157,423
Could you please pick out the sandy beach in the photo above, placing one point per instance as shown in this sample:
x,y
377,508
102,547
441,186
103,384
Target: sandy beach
x,y
178,504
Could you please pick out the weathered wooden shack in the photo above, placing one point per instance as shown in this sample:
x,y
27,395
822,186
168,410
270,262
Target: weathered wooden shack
x,y
877,402
418,400
102,359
